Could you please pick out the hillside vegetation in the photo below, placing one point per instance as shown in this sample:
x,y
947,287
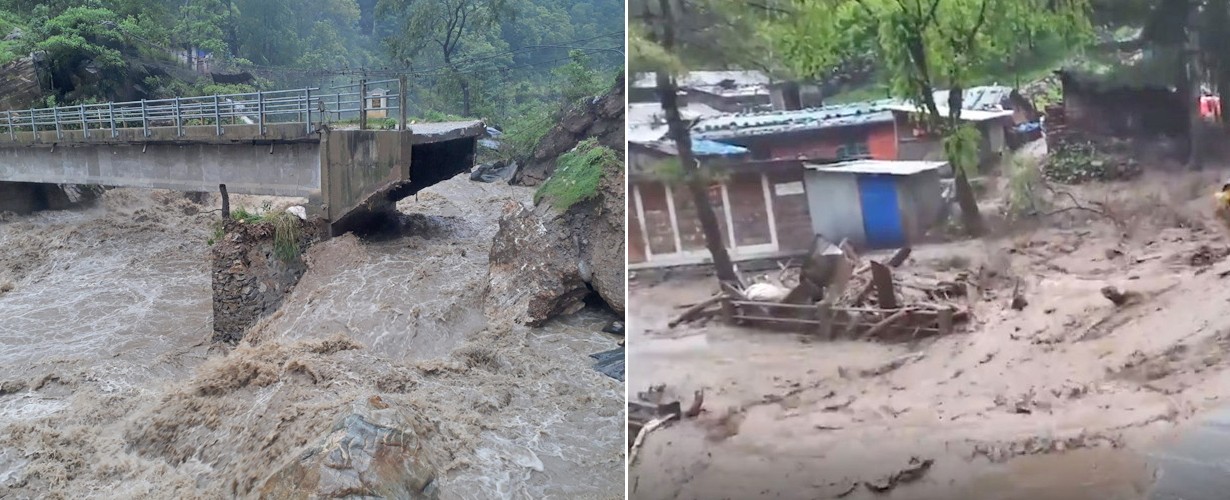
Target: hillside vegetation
x,y
499,60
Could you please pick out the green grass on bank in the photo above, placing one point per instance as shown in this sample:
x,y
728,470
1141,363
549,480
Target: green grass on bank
x,y
285,229
577,175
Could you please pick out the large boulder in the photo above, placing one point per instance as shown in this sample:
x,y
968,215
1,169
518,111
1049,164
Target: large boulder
x,y
546,259
602,241
374,452
601,118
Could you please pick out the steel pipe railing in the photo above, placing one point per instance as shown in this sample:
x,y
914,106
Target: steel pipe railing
x,y
219,111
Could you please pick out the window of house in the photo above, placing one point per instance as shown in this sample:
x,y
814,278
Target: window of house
x,y
853,151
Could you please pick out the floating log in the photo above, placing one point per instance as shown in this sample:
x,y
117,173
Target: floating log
x,y
695,312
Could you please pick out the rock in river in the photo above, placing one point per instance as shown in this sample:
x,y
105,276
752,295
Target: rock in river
x,y
374,452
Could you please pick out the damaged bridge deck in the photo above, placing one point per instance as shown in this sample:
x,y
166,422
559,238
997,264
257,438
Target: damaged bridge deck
x,y
275,145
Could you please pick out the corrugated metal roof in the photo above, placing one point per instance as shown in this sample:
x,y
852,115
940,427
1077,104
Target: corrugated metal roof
x,y
700,147
703,147
650,113
969,115
986,98
705,78
754,124
733,91
646,133
885,167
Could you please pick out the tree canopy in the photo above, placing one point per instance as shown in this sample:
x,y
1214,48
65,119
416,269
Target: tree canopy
x,y
488,59
925,46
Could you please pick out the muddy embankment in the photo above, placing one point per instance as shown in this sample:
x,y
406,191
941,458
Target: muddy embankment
x,y
379,360
1070,396
567,246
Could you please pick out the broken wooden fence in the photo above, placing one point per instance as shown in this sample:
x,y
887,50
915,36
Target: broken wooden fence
x,y
827,321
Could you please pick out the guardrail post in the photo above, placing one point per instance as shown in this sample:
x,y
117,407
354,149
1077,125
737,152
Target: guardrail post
x,y
85,126
401,102
144,119
217,118
363,104
260,111
179,120
8,116
34,127
111,118
55,115
307,105
338,108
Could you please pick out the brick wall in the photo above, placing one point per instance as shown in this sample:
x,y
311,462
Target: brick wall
x,y
790,212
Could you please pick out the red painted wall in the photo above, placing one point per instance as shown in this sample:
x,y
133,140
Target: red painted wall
x,y
881,140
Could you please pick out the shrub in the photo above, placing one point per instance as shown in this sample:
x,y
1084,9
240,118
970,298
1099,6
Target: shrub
x,y
577,174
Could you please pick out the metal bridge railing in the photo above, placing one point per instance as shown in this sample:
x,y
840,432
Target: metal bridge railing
x,y
306,106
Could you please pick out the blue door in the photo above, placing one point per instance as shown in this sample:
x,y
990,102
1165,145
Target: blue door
x,y
881,212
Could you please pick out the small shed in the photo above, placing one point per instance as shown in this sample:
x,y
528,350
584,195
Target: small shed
x,y
377,103
875,204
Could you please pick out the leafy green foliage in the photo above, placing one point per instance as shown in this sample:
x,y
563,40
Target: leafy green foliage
x,y
1080,162
577,175
578,79
961,147
489,59
523,134
1024,183
924,47
285,229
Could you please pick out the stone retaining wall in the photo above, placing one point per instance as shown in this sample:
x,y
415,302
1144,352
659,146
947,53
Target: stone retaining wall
x,y
249,279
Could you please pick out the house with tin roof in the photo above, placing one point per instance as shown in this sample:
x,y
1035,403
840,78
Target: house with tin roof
x,y
827,133
771,189
761,206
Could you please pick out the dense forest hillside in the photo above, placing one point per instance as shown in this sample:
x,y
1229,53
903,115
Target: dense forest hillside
x,y
501,60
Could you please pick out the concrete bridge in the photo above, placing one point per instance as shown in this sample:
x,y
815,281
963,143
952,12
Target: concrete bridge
x,y
284,143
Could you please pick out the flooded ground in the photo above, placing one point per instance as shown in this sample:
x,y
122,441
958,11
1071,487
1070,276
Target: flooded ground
x,y
108,383
1070,398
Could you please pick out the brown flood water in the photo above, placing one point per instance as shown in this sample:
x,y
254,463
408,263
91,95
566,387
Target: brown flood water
x,y
1102,386
110,385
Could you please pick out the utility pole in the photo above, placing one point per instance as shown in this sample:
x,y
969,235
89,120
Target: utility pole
x,y
694,176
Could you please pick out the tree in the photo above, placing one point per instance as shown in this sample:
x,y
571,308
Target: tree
x,y
578,80
83,37
202,24
442,27
926,45
653,47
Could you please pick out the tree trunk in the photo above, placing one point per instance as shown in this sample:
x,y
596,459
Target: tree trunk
x,y
465,98
971,216
693,176
1195,77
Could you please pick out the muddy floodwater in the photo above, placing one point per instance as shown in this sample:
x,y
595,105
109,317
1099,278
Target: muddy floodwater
x,y
108,382
1070,397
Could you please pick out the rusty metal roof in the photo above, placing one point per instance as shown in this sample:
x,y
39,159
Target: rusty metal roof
x,y
776,122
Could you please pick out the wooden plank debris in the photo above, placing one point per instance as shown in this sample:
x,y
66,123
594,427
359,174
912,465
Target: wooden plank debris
x,y
882,280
